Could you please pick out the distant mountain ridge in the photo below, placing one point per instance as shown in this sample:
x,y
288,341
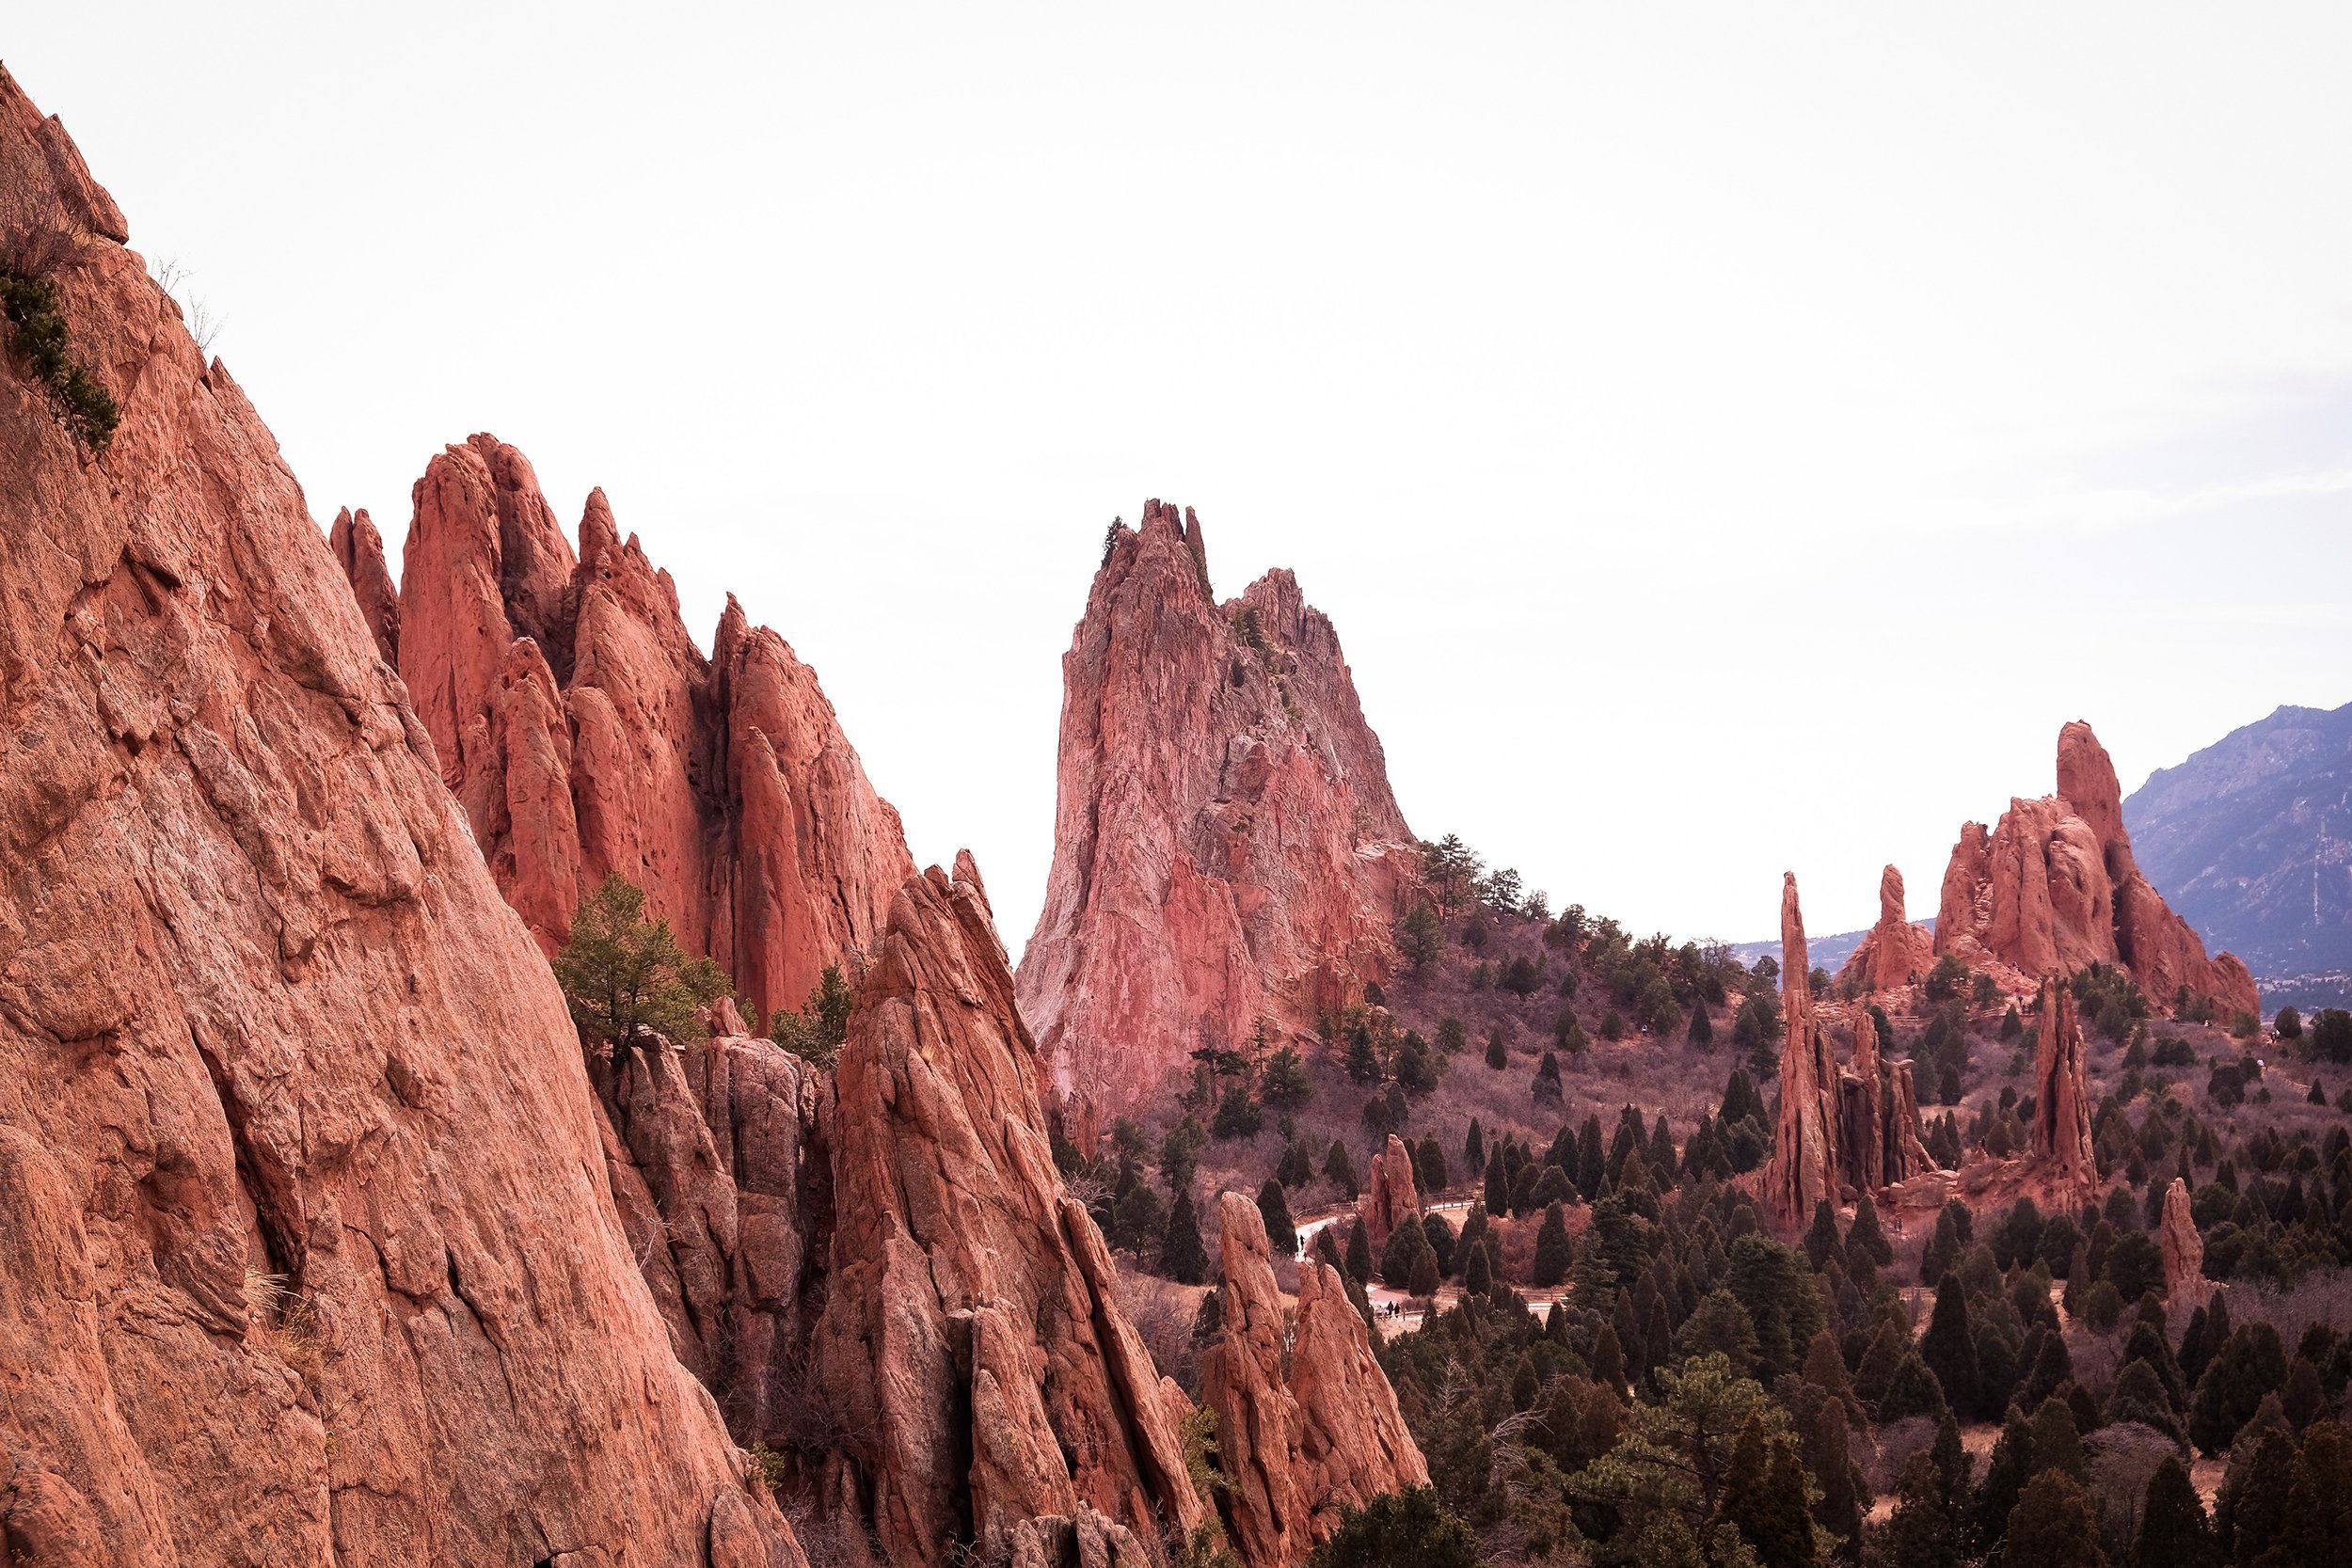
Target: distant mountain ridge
x,y
2250,839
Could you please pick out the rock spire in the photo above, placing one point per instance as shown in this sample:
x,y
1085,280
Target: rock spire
x,y
1896,952
2062,1110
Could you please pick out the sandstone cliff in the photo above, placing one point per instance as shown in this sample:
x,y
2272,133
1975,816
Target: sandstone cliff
x,y
981,1369
585,733
1226,848
311,1256
2054,889
1895,952
1301,1435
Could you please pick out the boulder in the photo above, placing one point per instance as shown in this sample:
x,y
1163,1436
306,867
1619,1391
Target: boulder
x,y
1226,848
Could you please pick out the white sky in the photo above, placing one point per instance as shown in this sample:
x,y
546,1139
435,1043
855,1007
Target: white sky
x,y
1727,439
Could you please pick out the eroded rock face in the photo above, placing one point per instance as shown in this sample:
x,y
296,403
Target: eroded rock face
x,y
311,1254
1389,1198
2061,1111
1226,846
2183,1248
2054,889
1896,952
1298,1442
1841,1130
980,1366
585,733
359,550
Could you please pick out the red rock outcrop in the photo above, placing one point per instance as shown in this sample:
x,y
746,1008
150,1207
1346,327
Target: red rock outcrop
x,y
981,1368
1298,1445
2062,1107
309,1254
585,733
359,550
1390,1197
1896,951
1226,848
1840,1131
2184,1281
2054,889
718,1158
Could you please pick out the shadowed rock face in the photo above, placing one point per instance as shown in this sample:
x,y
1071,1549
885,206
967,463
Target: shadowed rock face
x,y
310,1253
1226,846
1304,1439
2061,1111
981,1368
2185,1280
2054,889
585,733
1841,1132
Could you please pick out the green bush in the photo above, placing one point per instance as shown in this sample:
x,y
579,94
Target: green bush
x,y
85,407
626,978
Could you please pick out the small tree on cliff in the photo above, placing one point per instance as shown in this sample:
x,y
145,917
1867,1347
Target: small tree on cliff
x,y
822,1023
625,976
1420,935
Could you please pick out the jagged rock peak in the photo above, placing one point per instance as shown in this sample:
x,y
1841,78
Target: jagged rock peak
x,y
722,785
2054,888
359,550
1227,847
972,1343
1896,952
307,1221
1297,1445
2184,1247
1803,1168
2062,1113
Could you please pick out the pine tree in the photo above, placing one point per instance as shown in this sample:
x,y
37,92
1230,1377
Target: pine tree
x,y
1281,1235
1184,1257
627,980
2006,1471
2056,1443
2052,1527
1764,1498
1702,1027
1498,1054
1922,1532
1423,1281
1477,1273
1359,1254
1591,1159
1405,1247
1839,1510
1340,1169
1913,1391
2319,1504
1607,1359
1475,1147
1498,1182
1821,1238
1865,1236
1552,1253
2173,1529
1949,1347
2250,1512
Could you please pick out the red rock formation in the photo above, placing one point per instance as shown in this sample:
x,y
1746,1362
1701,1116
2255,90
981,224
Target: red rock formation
x,y
1295,1446
1840,1132
1226,848
1896,952
2062,1107
359,550
1389,1198
2185,1280
585,733
2054,889
981,1368
1803,1167
309,1252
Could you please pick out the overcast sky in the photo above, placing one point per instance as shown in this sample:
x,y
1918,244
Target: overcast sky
x,y
1727,440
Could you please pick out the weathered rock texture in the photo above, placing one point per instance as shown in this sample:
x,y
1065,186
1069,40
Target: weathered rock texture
x,y
1301,1437
1896,951
1389,1198
1226,848
2054,889
1840,1132
981,1369
2184,1250
359,550
309,1252
719,1160
2061,1108
585,733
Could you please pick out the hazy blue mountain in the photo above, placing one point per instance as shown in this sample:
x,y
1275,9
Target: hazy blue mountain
x,y
2250,840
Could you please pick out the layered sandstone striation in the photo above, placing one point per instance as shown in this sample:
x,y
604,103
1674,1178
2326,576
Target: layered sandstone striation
x,y
2054,889
1896,951
311,1251
1226,846
971,1347
2062,1154
585,733
1841,1132
1304,1436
